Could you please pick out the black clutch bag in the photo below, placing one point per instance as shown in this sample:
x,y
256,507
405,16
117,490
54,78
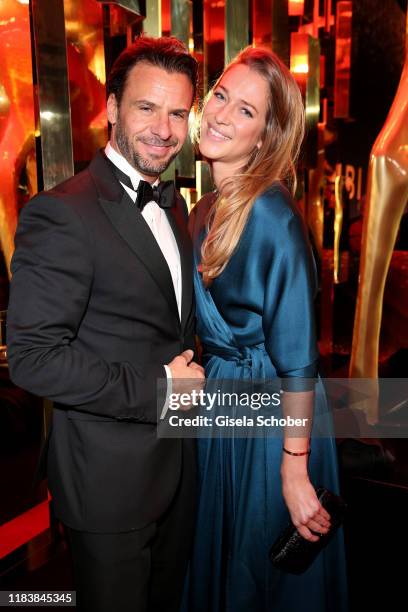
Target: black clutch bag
x,y
292,553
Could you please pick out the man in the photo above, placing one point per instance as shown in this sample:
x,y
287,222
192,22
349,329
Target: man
x,y
101,300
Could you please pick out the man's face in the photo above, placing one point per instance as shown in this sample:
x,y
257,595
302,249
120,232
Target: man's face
x,y
151,123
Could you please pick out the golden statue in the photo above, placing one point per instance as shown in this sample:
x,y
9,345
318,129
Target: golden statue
x,y
387,195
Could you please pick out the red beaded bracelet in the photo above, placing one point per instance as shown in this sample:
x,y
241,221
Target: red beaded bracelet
x,y
296,454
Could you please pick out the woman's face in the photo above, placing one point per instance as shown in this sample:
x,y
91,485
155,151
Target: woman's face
x,y
234,117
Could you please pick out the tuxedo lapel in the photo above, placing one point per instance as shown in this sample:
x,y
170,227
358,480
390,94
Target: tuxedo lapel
x,y
131,226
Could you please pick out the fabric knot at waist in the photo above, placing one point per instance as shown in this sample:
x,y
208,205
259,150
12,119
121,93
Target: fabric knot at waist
x,y
242,355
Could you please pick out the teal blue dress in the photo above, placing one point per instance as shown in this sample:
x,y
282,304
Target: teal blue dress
x,y
257,322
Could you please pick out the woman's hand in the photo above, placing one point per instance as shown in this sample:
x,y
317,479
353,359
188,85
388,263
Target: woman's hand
x,y
306,512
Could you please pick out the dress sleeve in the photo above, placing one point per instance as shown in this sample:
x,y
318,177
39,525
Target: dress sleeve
x,y
288,313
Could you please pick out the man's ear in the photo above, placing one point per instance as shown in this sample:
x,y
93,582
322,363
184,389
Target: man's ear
x,y
112,109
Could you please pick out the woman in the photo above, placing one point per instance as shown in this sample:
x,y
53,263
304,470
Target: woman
x,y
254,283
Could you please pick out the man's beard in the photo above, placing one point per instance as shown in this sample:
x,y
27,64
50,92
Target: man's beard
x,y
141,164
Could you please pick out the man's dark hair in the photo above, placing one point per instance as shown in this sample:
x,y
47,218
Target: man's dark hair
x,y
167,53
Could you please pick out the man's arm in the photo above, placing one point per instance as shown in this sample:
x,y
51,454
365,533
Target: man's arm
x,y
52,278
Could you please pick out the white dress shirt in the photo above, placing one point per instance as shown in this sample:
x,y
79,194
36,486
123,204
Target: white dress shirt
x,y
156,219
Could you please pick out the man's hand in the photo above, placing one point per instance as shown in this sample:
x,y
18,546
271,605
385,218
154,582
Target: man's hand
x,y
182,367
187,376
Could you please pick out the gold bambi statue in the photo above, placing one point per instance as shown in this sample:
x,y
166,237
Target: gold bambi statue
x,y
387,194
338,226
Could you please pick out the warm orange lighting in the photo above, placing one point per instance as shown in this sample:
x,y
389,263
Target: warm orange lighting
x,y
261,23
302,67
166,17
299,54
296,7
86,70
214,41
17,125
342,59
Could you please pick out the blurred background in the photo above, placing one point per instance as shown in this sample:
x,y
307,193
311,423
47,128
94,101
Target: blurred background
x,y
349,59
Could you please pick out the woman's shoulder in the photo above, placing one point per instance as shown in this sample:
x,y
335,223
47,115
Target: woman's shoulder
x,y
199,213
275,214
276,201
204,203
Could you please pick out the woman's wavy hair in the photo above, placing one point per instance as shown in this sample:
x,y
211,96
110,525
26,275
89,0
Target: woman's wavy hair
x,y
274,161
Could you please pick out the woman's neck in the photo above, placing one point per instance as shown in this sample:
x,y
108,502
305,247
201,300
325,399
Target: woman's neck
x,y
221,171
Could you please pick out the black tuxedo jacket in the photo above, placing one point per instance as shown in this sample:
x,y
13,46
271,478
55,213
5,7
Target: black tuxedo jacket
x,y
92,319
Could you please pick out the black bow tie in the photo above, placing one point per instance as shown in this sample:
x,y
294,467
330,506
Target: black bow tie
x,y
163,194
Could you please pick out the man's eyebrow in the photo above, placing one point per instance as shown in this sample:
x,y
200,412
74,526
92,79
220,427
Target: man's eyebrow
x,y
181,110
143,101
242,100
153,105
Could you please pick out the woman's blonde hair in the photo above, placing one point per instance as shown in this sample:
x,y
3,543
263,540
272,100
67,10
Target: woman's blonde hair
x,y
274,161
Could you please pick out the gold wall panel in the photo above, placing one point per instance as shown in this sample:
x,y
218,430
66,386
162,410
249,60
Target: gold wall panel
x,y
152,25
270,26
305,66
236,27
313,86
280,30
204,182
315,212
87,78
214,42
181,19
130,5
342,59
262,23
53,91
